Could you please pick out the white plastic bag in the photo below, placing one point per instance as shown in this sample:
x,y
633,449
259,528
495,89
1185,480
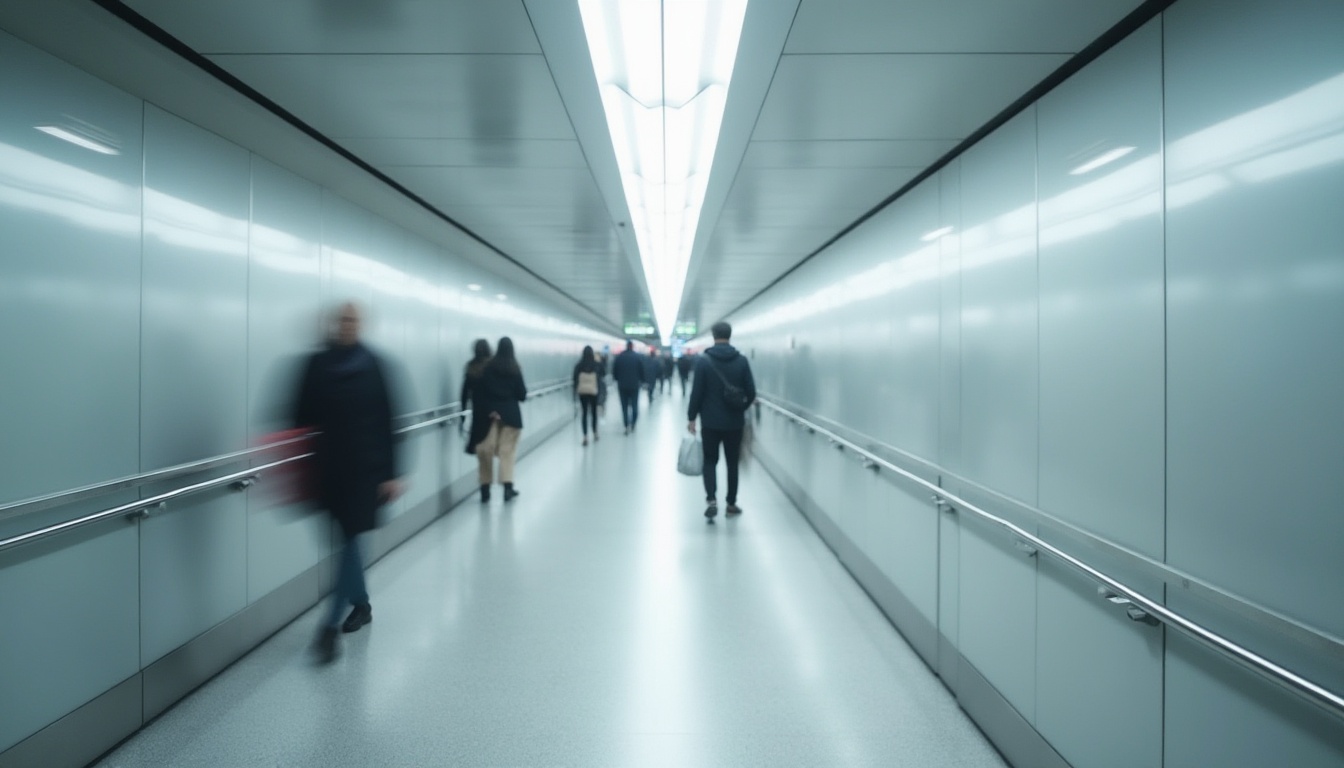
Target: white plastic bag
x,y
691,459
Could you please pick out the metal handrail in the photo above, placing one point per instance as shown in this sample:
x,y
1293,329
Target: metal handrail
x,y
1322,697
142,507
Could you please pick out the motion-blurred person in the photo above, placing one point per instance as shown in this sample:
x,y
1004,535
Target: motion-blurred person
x,y
684,365
722,391
346,397
665,373
502,389
628,371
653,368
471,398
587,384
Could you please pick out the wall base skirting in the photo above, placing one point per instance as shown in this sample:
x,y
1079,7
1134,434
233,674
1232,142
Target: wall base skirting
x,y
90,731
1014,737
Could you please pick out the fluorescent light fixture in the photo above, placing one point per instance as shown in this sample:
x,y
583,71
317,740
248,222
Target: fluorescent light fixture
x,y
502,296
1109,156
65,134
937,233
663,70
473,286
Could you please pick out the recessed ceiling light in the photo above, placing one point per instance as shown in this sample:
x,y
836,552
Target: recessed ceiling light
x,y
501,296
474,287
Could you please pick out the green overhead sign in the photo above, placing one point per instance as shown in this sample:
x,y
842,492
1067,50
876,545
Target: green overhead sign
x,y
639,329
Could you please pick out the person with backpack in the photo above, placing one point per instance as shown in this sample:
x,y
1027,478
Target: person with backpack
x,y
588,374
721,392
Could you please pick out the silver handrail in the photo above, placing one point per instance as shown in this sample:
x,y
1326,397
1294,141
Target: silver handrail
x,y
1322,697
143,506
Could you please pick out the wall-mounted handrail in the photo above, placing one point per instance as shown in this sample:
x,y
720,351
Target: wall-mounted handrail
x,y
60,498
143,506
1322,697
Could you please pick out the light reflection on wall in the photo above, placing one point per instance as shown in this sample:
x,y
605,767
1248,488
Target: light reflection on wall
x,y
1296,134
40,184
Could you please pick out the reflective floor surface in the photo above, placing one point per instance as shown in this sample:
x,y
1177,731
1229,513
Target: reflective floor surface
x,y
596,620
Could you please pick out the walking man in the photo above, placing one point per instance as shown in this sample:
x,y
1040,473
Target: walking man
x,y
628,371
721,392
345,396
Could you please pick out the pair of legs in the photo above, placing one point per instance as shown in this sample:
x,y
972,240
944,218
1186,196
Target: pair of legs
x,y
589,405
350,590
502,441
731,440
683,384
629,407
649,388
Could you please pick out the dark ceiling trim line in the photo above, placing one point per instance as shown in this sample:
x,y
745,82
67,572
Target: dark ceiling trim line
x,y
1108,39
163,37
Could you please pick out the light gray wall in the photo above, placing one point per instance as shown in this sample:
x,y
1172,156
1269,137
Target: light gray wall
x,y
1137,363
159,302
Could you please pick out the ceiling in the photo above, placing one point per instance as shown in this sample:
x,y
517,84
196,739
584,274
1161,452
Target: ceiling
x,y
488,112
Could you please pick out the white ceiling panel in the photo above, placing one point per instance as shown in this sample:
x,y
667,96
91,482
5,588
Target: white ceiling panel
x,y
952,26
345,26
452,188
857,153
818,188
491,153
895,96
411,96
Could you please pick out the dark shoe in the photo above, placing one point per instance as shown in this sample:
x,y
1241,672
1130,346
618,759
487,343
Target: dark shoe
x,y
585,442
485,493
732,510
325,647
509,493
359,616
711,511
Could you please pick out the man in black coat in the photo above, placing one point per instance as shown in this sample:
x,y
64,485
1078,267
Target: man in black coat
x,y
346,397
722,391
653,369
628,371
685,364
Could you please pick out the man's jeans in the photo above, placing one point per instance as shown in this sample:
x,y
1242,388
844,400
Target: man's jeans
x,y
350,588
629,406
732,452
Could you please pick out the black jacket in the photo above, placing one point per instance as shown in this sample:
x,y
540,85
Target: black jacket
x,y
501,392
628,370
472,397
345,395
685,364
707,388
653,368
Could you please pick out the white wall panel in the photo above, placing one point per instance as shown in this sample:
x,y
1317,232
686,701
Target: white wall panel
x,y
193,570
997,613
999,308
69,278
284,325
1102,299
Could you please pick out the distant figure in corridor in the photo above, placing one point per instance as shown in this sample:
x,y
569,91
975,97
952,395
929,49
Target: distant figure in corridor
x,y
472,399
587,385
685,364
722,391
653,370
628,371
501,390
344,395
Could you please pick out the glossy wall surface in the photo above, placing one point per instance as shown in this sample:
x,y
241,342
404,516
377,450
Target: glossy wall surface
x,y
162,287
1110,323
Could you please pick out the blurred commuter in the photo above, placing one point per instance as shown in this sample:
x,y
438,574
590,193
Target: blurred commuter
x,y
346,397
502,390
665,373
722,391
653,368
684,365
628,371
587,384
471,386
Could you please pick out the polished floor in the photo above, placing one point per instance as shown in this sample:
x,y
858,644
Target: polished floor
x,y
596,620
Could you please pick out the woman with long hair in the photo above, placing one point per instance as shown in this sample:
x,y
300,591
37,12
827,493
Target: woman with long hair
x,y
472,397
587,385
501,391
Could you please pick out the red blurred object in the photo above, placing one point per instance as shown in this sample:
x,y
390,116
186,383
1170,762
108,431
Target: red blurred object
x,y
294,482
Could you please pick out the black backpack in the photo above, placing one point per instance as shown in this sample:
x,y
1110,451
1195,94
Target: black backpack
x,y
734,396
